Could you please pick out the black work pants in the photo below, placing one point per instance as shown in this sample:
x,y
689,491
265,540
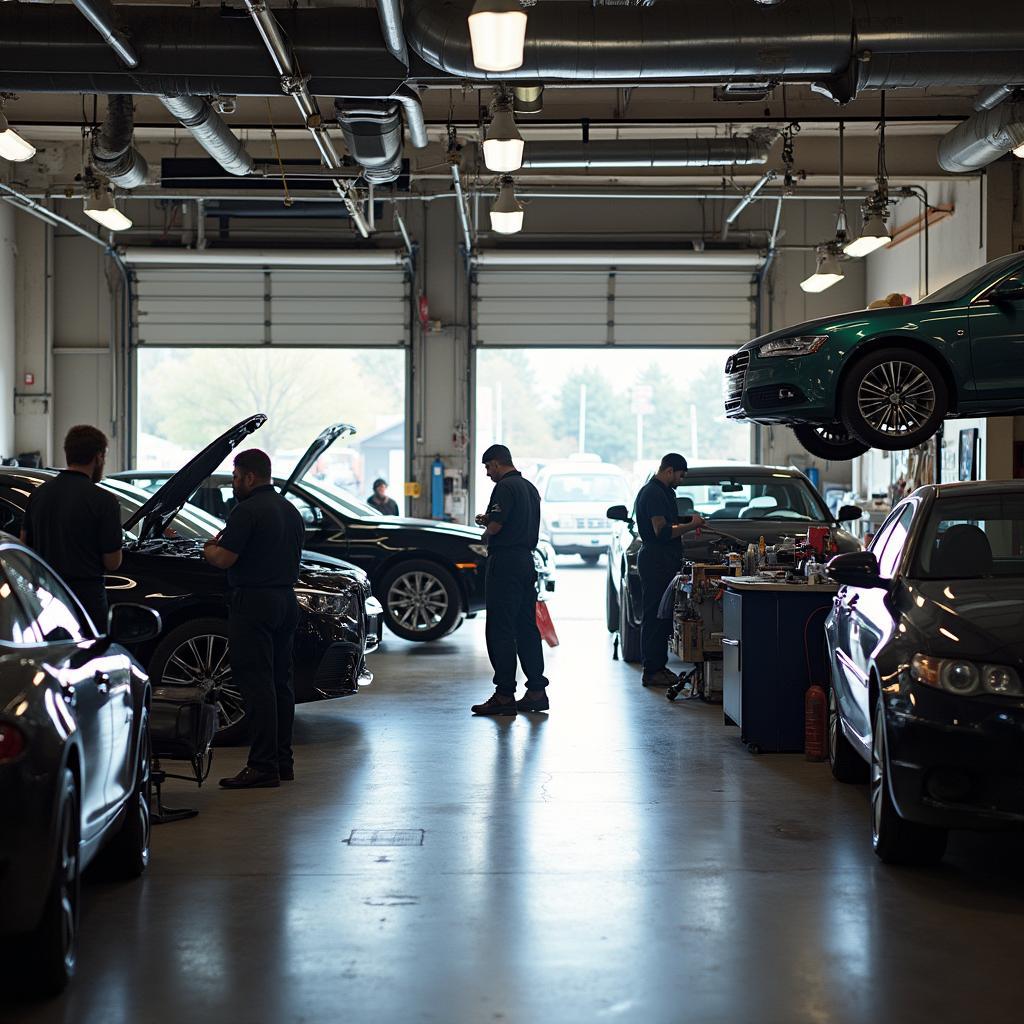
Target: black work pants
x,y
93,596
261,633
657,567
511,629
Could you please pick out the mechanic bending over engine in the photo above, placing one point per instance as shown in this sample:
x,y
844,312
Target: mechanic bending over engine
x,y
660,558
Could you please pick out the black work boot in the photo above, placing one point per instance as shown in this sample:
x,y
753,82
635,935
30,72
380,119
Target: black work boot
x,y
496,704
535,700
250,778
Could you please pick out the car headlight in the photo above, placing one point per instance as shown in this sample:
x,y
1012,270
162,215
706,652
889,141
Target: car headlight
x,y
321,602
801,346
480,550
965,678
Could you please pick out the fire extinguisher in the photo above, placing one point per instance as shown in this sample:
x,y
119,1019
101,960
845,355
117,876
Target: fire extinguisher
x,y
815,715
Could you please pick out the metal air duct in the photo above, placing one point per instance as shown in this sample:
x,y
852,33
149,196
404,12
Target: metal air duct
x,y
113,149
390,12
211,132
650,153
373,135
982,138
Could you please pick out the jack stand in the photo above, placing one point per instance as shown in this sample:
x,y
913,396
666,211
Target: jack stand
x,y
161,815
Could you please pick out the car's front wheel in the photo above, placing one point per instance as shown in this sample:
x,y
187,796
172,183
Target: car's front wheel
x,y
831,441
896,840
591,557
894,399
421,601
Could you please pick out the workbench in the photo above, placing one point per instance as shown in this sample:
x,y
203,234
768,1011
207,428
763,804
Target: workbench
x,y
773,650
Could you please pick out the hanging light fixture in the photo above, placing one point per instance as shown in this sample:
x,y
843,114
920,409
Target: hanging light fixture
x,y
874,232
1019,151
100,206
12,145
507,211
497,32
828,270
503,145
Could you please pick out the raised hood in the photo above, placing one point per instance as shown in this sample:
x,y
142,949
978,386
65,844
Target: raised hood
x,y
166,503
323,441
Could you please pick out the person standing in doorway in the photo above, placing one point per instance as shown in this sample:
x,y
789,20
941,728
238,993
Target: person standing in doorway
x,y
261,547
659,559
379,499
75,525
512,526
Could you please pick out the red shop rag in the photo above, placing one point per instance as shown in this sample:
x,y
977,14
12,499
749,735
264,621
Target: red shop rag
x,y
545,625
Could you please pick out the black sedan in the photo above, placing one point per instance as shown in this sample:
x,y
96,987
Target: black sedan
x,y
927,660
741,504
74,758
164,568
428,575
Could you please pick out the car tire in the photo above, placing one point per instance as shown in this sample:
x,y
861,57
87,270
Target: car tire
x,y
50,953
196,654
846,764
629,635
434,586
872,384
829,441
611,605
127,856
896,840
591,557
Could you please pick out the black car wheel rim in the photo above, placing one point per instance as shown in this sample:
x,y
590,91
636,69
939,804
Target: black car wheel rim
x,y
203,661
896,398
68,886
833,724
418,601
877,776
832,434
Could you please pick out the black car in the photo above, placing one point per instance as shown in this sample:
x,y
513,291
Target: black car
x,y
74,757
428,575
927,656
741,504
164,568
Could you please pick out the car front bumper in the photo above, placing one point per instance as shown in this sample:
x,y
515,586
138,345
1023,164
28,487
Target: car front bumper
x,y
573,542
780,390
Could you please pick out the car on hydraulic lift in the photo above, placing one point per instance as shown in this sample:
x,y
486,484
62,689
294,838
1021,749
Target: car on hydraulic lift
x,y
741,504
887,378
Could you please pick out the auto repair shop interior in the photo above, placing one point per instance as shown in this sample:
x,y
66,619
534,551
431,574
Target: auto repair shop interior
x,y
783,238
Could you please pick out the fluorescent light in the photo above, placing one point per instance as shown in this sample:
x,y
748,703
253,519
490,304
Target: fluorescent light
x,y
873,236
497,31
12,145
827,273
100,206
503,146
507,211
1019,151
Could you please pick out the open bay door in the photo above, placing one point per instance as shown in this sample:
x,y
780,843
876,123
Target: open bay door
x,y
639,298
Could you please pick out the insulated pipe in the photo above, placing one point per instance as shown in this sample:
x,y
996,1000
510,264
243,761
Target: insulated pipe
x,y
211,132
412,105
993,97
100,14
316,258
649,152
390,12
113,151
982,138
710,259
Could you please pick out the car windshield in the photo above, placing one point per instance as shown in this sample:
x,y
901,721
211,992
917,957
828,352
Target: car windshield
x,y
778,497
972,538
189,524
962,287
607,488
341,498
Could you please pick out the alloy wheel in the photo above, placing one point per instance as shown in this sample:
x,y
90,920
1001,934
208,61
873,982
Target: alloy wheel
x,y
877,773
417,601
145,788
833,724
896,398
69,886
203,661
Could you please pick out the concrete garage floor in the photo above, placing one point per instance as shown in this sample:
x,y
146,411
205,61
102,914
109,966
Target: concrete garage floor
x,y
620,859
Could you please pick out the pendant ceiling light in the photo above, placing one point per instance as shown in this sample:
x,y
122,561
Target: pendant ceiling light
x,y
503,145
12,145
100,206
874,232
497,32
507,211
828,271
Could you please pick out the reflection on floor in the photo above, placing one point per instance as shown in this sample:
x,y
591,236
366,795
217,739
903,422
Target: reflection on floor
x,y
619,859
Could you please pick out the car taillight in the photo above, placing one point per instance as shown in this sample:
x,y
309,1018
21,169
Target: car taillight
x,y
12,742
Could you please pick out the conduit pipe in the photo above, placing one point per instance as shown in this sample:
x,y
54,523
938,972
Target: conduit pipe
x,y
982,138
113,150
100,14
730,217
650,153
139,256
211,132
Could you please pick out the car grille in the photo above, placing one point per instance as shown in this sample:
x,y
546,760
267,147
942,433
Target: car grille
x,y
587,524
732,384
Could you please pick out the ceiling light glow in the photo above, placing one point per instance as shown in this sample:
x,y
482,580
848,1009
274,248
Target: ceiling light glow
x,y
507,211
99,205
503,146
497,32
12,146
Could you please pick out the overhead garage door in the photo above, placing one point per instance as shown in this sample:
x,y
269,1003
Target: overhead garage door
x,y
624,306
215,306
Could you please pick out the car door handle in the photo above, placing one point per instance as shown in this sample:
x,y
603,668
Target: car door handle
x,y
102,682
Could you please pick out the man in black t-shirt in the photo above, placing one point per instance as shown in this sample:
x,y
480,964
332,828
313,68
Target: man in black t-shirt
x,y
261,549
75,525
512,524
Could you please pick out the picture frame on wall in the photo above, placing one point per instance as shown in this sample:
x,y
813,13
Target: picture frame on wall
x,y
968,462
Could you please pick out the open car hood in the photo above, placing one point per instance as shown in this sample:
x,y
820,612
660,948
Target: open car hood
x,y
323,441
157,513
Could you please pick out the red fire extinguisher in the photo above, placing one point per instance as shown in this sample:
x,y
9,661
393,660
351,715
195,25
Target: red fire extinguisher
x,y
815,715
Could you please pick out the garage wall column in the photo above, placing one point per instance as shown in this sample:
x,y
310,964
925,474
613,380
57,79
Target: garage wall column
x,y
8,248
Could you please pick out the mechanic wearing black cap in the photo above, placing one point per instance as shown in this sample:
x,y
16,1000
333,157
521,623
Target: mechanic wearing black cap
x,y
261,548
512,524
660,558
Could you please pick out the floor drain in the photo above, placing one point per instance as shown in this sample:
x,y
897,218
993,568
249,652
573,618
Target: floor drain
x,y
386,837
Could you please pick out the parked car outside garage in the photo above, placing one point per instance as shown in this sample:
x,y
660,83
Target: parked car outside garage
x,y
887,378
927,659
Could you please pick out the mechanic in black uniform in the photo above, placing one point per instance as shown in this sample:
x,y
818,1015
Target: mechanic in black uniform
x,y
660,558
512,524
76,526
261,547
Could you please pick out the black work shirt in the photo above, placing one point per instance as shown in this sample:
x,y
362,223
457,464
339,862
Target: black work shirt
x,y
73,523
657,499
385,506
266,531
515,504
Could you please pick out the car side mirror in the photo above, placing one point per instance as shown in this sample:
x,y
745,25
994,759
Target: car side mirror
x,y
849,513
132,624
857,569
1010,290
619,513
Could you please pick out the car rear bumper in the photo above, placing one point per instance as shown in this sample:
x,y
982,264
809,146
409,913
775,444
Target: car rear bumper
x,y
26,848
577,543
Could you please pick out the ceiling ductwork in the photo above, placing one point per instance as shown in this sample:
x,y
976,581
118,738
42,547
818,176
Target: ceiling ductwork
x,y
649,153
114,154
211,132
373,135
982,138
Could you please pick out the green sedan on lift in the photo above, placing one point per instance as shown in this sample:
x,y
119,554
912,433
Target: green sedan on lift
x,y
887,378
